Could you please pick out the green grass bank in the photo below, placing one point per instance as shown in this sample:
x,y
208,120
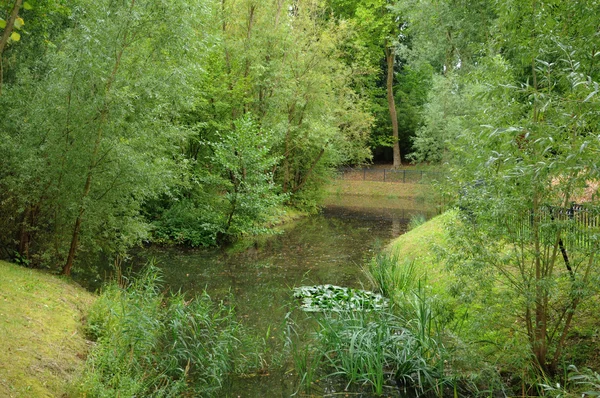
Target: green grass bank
x,y
43,346
421,246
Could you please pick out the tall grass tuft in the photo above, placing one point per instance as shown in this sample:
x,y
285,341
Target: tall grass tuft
x,y
378,349
416,220
152,344
391,275
584,383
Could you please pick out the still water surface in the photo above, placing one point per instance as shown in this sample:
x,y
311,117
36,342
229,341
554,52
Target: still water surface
x,y
327,248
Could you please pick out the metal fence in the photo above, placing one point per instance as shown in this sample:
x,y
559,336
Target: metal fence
x,y
389,175
579,225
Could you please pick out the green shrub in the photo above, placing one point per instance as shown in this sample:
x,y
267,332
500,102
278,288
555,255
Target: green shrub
x,y
188,223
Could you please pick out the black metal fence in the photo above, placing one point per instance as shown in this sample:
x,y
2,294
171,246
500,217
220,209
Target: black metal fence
x,y
579,225
389,175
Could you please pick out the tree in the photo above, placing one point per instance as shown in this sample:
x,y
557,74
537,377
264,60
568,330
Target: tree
x,y
245,160
8,33
282,70
512,111
379,32
526,164
99,134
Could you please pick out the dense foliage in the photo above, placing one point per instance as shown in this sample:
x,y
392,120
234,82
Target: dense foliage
x,y
122,121
514,112
195,122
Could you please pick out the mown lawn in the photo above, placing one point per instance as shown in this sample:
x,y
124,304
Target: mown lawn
x,y
42,344
376,188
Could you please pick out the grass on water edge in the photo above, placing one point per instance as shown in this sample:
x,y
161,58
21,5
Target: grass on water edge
x,y
42,344
421,246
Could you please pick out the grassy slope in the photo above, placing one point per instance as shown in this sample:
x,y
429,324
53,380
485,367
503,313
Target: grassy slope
x,y
375,188
419,245
42,346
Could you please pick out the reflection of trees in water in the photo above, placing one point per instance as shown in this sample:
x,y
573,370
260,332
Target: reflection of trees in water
x,y
329,248
397,227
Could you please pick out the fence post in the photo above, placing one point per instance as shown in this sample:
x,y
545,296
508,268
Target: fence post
x,y
364,173
404,176
383,175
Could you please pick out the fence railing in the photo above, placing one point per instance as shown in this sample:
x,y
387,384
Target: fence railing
x,y
389,175
579,225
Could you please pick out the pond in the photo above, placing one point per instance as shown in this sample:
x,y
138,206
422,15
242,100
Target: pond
x,y
328,248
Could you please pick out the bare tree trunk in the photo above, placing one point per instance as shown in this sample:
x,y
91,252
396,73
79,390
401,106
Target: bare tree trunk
x,y
7,32
390,57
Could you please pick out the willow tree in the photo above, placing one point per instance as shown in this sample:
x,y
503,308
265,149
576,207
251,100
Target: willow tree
x,y
528,150
97,135
284,68
276,63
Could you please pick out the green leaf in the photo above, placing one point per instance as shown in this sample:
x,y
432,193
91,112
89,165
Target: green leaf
x,y
2,24
27,6
19,23
590,96
14,36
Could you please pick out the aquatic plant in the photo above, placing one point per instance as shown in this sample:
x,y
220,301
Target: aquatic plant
x,y
362,339
320,298
392,275
378,349
152,344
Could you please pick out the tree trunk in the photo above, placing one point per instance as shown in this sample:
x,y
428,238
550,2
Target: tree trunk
x,y
24,234
6,34
94,157
390,57
309,172
540,343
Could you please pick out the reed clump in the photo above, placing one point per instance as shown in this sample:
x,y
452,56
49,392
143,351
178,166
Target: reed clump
x,y
149,343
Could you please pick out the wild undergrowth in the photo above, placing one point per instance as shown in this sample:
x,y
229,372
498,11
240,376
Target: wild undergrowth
x,y
150,343
397,347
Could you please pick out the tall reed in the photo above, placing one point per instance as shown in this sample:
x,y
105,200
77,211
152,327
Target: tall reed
x,y
391,275
152,344
377,349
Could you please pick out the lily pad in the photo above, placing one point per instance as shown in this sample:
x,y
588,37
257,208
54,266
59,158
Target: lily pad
x,y
321,298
